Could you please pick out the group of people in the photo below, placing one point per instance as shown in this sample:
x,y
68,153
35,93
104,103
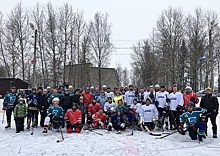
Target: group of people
x,y
150,108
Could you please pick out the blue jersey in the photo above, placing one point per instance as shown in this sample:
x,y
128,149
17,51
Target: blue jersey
x,y
191,118
33,100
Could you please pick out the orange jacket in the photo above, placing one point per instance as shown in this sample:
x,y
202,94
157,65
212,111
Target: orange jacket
x,y
75,117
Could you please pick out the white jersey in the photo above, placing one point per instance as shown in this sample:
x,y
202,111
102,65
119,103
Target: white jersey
x,y
129,97
175,100
161,98
148,112
107,106
136,107
110,94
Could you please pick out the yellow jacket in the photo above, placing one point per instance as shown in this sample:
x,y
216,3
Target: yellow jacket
x,y
116,98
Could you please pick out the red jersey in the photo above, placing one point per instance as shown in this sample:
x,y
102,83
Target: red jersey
x,y
75,117
87,98
187,98
92,109
100,117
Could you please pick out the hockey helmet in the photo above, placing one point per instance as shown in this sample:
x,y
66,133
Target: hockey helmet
x,y
56,100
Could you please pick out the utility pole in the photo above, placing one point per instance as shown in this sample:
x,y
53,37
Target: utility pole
x,y
35,52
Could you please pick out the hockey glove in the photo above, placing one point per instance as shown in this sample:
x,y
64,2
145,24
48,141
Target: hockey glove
x,y
193,99
167,100
5,104
101,123
67,122
180,130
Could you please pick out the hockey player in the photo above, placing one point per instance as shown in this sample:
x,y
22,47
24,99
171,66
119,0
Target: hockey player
x,y
87,96
73,118
161,104
195,124
129,96
20,113
33,106
117,122
148,113
55,94
92,109
99,121
133,115
109,105
190,96
210,103
54,116
175,104
157,88
10,101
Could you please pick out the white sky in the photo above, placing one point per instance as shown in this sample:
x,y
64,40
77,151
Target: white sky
x,y
132,20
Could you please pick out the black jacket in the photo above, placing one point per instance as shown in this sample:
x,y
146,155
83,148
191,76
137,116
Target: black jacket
x,y
43,102
210,103
75,98
65,102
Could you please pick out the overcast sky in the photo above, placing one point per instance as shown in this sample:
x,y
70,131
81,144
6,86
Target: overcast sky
x,y
132,20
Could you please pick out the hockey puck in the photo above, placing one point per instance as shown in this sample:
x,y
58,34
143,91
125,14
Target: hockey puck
x,y
31,133
58,141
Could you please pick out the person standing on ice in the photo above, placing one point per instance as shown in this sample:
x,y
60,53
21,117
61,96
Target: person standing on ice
x,y
175,103
10,101
195,124
20,113
190,96
54,116
148,113
43,106
129,96
87,96
210,103
102,99
73,119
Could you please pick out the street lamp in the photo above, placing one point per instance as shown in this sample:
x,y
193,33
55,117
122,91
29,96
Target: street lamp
x,y
211,54
35,50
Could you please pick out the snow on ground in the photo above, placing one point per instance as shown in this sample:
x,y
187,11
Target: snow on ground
x,y
110,144
92,144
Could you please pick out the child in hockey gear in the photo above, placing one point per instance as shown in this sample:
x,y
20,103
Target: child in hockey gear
x,y
73,118
99,121
32,100
210,103
109,104
20,112
10,101
147,113
117,122
196,125
55,113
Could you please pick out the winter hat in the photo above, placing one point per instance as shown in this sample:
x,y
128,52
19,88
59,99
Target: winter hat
x,y
188,87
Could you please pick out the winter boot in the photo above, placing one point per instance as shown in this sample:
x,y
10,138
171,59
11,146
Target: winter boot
x,y
200,139
214,135
45,130
28,126
8,126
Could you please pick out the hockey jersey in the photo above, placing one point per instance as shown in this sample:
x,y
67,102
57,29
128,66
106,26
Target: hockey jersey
x,y
148,112
191,118
175,100
75,117
107,106
87,98
92,109
161,98
129,97
56,111
187,98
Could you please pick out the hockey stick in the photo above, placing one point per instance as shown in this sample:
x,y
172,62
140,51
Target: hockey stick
x,y
96,132
149,132
3,117
61,132
33,124
172,115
